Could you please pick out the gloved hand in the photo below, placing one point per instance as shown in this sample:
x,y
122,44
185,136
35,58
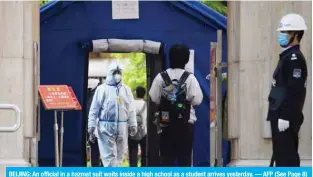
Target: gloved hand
x,y
92,138
224,76
283,125
91,130
91,134
132,131
191,121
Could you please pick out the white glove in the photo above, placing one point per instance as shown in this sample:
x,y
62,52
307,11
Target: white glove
x,y
132,131
224,76
92,138
91,134
191,121
283,125
91,130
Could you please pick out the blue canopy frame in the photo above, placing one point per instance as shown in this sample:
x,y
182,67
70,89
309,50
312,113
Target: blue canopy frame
x,y
64,23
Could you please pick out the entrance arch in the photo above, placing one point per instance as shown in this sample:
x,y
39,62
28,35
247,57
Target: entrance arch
x,y
155,63
64,23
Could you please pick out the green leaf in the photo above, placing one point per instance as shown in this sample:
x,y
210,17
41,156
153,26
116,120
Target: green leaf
x,y
43,2
135,72
217,6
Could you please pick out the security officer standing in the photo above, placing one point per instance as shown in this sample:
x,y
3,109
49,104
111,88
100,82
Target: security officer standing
x,y
288,92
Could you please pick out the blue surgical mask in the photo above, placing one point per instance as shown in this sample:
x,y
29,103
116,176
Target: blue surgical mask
x,y
283,39
117,78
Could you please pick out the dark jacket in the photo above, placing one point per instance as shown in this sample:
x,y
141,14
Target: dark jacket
x,y
288,90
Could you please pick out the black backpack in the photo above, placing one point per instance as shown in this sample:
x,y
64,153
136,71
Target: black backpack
x,y
174,107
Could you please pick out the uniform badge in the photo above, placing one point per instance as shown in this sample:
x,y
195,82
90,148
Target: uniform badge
x,y
296,73
293,57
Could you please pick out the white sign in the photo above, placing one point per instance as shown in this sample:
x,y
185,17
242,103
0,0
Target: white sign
x,y
125,9
190,66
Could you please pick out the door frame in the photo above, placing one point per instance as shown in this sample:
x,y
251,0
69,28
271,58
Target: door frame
x,y
155,63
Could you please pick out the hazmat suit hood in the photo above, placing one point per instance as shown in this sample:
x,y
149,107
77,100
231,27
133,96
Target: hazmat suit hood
x,y
114,66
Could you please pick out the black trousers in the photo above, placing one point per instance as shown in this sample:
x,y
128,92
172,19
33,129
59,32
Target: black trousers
x,y
133,152
95,153
285,145
176,143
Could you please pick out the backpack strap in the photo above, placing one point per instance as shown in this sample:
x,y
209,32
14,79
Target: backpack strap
x,y
139,114
166,78
183,78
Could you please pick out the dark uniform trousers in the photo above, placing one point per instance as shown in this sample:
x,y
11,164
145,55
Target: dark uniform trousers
x,y
285,146
176,141
286,102
133,152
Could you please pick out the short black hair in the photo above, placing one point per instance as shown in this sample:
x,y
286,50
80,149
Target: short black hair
x,y
118,71
140,92
179,56
298,34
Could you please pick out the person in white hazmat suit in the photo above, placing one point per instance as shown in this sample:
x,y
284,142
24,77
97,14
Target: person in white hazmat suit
x,y
93,142
113,114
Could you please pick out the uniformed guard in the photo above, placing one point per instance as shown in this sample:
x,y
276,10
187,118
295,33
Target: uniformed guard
x,y
288,93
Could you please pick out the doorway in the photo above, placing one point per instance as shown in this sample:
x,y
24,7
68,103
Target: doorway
x,y
139,70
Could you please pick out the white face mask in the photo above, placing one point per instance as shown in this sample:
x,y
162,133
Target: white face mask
x,y
117,78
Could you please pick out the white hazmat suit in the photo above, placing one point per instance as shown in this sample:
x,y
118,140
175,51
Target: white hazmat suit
x,y
112,105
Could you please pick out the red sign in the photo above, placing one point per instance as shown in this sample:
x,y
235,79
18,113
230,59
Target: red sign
x,y
56,97
78,107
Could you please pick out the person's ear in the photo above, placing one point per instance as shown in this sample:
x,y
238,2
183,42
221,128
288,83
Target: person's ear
x,y
292,34
296,36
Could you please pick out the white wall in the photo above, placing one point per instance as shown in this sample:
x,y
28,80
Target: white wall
x,y
252,58
98,67
19,29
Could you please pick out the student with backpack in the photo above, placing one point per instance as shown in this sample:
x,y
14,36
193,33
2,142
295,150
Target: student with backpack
x,y
140,137
176,92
